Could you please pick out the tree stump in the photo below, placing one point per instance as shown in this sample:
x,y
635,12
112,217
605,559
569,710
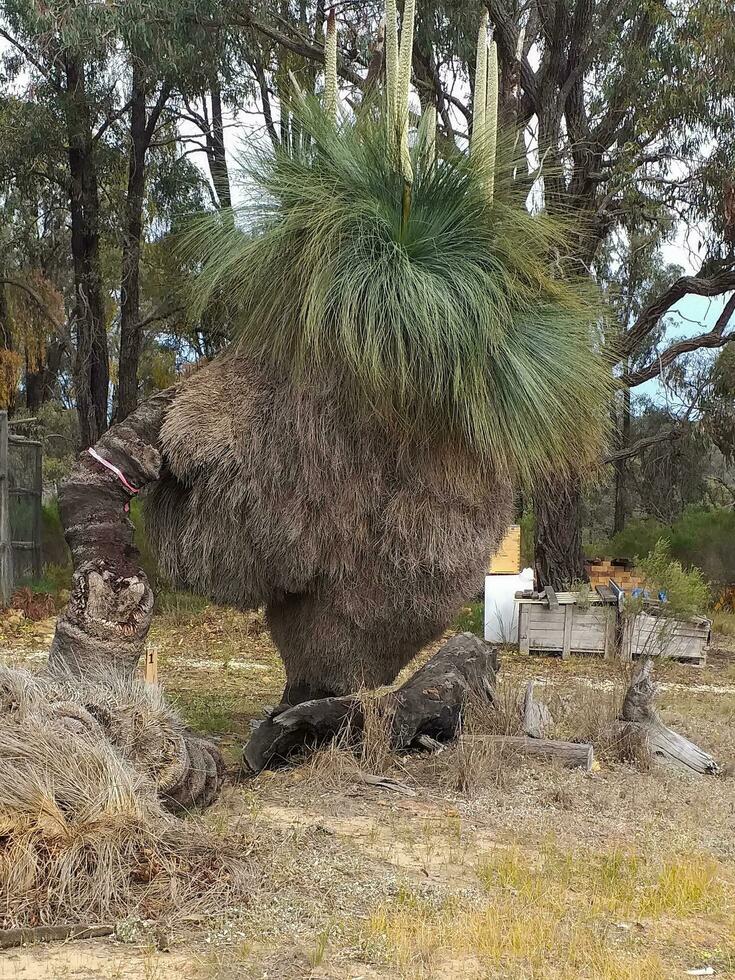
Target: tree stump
x,y
537,719
641,724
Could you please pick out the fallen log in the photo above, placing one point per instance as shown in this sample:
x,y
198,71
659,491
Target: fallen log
x,y
575,755
641,725
430,703
28,935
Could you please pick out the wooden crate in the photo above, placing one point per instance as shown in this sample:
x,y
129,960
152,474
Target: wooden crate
x,y
567,627
647,635
507,559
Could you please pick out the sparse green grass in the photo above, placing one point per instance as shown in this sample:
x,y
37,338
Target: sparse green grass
x,y
552,913
180,606
724,623
471,619
211,714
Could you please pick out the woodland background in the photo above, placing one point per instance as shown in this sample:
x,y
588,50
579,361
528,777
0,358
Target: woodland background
x,y
118,121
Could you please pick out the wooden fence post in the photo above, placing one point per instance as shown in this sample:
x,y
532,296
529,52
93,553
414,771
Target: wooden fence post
x,y
6,546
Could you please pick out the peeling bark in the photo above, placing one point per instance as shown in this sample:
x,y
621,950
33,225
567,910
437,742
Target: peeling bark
x,y
108,615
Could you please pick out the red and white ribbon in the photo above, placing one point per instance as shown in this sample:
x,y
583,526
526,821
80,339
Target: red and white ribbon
x,y
113,469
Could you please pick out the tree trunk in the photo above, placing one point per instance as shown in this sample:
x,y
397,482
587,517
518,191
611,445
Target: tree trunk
x,y
91,365
621,467
217,156
7,389
130,330
558,555
40,384
102,630
106,621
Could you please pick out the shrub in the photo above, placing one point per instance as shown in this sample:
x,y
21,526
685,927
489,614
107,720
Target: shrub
x,y
687,593
702,538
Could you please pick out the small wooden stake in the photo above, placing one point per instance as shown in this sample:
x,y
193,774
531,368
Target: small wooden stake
x,y
150,671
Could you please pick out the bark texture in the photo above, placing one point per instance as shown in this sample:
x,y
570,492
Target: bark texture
x,y
106,620
558,555
643,728
429,704
105,624
91,366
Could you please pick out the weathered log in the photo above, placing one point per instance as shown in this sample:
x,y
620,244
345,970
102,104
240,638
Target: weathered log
x,y
576,755
10,938
537,719
642,726
106,621
430,703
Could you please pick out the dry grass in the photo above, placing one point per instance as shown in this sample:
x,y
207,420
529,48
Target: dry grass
x,y
495,868
553,914
83,836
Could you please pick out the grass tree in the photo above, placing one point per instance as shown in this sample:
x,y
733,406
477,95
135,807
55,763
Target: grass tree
x,y
438,308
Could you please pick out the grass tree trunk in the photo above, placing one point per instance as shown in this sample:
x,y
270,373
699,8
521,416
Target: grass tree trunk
x,y
104,626
558,555
91,364
106,621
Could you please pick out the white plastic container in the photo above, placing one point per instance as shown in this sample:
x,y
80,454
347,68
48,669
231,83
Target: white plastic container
x,y
501,611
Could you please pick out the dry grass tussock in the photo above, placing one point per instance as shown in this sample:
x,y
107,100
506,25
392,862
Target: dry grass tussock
x,y
83,836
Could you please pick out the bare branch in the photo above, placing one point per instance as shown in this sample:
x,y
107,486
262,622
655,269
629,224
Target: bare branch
x,y
699,285
666,435
30,57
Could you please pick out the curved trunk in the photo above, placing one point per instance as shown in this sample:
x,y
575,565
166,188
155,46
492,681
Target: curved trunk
x,y
108,615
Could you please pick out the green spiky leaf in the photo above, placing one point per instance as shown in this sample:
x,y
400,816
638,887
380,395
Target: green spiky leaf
x,y
453,326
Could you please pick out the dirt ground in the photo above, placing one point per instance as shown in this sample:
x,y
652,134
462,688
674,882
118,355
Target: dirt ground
x,y
473,867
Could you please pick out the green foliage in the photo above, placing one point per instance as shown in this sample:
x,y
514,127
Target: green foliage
x,y
54,549
148,559
452,323
687,593
528,528
55,579
702,537
638,538
471,619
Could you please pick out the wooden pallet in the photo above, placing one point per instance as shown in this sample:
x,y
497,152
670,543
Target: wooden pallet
x,y
647,635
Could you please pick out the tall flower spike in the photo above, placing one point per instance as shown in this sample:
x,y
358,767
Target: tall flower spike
x,y
330,67
480,97
391,60
405,60
491,116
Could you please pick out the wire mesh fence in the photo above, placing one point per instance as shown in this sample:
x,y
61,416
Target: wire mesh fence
x,y
21,492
